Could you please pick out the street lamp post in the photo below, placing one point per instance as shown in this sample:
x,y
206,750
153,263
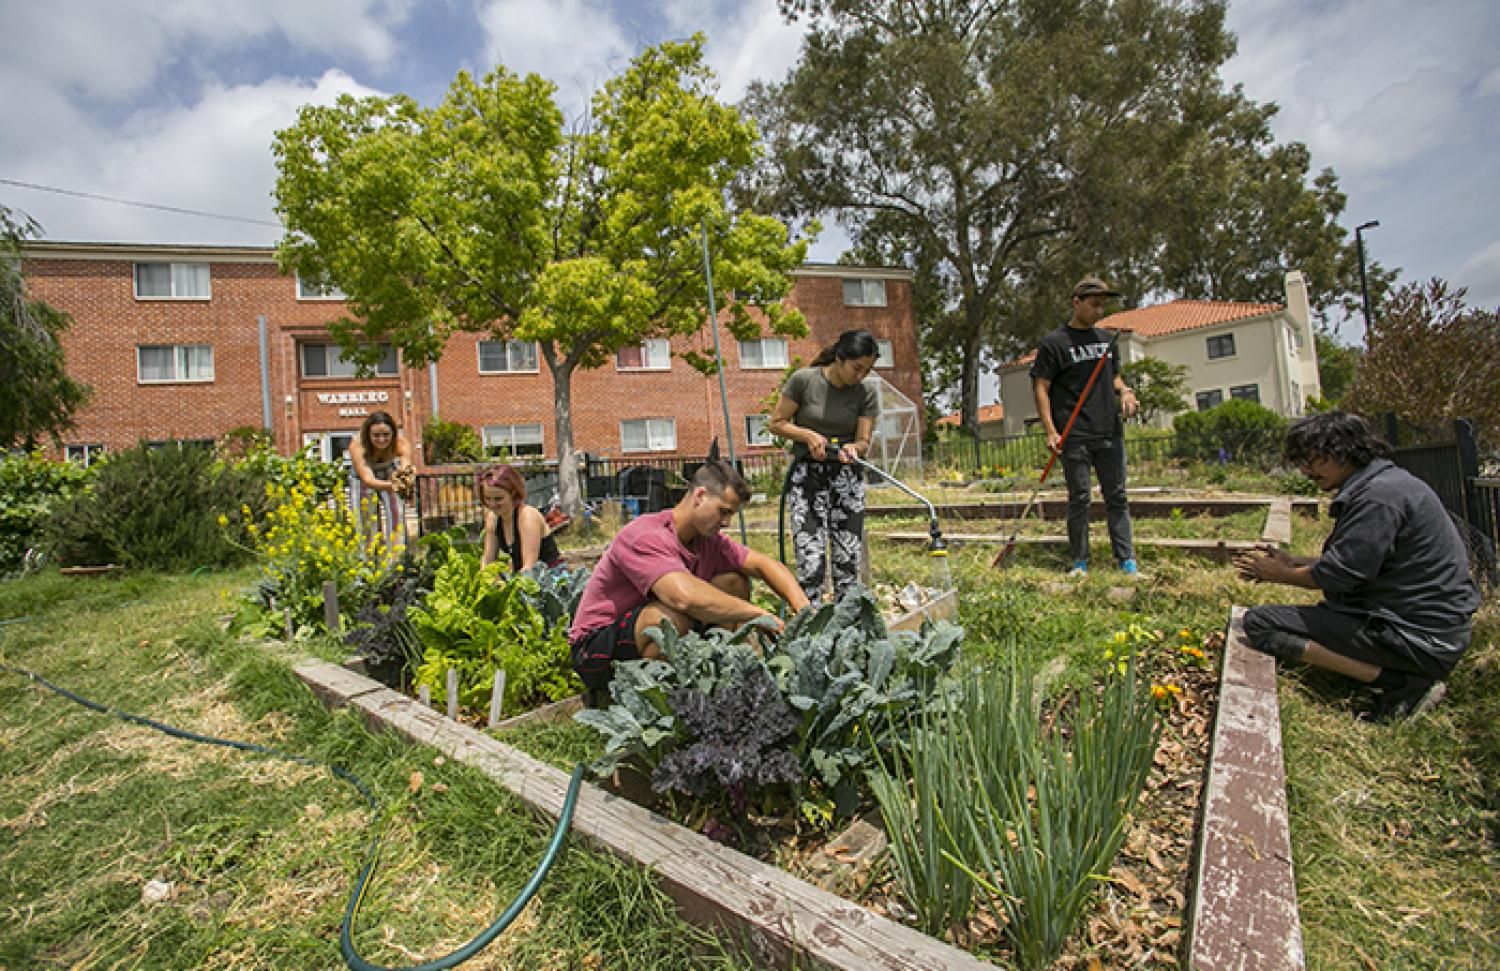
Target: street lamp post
x,y
1364,285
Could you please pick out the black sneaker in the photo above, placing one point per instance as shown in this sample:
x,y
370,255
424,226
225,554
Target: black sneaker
x,y
1416,696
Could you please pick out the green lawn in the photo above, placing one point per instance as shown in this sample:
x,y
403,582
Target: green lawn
x,y
1394,827
259,854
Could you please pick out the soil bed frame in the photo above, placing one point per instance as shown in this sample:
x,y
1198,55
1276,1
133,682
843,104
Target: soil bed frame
x,y
1243,909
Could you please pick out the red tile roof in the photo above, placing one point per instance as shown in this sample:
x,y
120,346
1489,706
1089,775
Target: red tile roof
x,y
987,414
1172,318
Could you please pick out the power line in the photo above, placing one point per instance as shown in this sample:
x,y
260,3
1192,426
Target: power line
x,y
141,205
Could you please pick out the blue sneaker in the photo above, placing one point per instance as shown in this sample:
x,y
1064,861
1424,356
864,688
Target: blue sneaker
x,y
1129,568
1080,569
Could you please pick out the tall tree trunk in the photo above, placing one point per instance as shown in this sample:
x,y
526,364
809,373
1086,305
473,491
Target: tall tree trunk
x,y
968,375
570,494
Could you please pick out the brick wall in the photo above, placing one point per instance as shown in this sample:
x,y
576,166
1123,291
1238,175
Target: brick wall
x,y
95,284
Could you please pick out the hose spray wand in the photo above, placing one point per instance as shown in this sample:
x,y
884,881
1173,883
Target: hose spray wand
x,y
1056,450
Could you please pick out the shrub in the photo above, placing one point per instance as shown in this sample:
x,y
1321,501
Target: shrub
x,y
30,486
157,508
451,441
1236,431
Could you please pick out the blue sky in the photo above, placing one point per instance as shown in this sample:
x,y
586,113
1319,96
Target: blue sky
x,y
175,101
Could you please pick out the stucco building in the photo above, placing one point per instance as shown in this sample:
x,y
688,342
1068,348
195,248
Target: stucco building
x,y
1261,352
186,343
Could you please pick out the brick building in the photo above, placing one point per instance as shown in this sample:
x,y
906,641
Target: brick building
x,y
187,342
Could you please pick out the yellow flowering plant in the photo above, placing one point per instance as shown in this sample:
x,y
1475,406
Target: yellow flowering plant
x,y
308,537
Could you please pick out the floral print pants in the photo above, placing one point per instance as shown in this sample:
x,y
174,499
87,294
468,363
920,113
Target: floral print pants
x,y
827,501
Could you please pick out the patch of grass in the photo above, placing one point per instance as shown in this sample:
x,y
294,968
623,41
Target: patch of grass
x,y
1394,827
259,854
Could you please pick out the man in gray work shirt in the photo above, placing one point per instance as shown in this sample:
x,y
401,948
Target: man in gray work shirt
x,y
1398,595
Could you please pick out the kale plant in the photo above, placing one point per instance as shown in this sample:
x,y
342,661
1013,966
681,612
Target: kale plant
x,y
741,733
849,681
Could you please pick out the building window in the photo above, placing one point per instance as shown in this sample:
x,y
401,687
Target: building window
x,y
172,281
174,362
1220,345
507,357
864,293
768,352
652,355
887,355
648,435
317,289
84,455
502,440
1210,399
156,445
328,361
756,432
1246,392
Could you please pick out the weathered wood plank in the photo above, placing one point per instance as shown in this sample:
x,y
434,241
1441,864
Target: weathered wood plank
x,y
1217,549
1278,528
1244,911
944,607
786,921
1053,505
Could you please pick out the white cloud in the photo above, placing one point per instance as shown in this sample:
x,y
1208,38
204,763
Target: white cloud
x,y
577,44
113,51
1481,275
213,155
1367,84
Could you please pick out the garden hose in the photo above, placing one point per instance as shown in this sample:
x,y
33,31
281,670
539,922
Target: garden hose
x,y
372,852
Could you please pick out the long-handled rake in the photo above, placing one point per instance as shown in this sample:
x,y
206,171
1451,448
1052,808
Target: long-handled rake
x,y
1062,440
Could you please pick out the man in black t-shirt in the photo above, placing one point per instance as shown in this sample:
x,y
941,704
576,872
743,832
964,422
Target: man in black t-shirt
x,y
1064,361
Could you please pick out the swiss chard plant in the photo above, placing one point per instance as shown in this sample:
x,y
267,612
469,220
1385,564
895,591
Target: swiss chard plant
x,y
476,623
847,681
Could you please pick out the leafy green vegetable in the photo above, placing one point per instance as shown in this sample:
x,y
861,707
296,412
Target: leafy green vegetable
x,y
848,681
475,623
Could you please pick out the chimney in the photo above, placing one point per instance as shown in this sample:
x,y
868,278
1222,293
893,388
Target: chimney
x,y
1296,303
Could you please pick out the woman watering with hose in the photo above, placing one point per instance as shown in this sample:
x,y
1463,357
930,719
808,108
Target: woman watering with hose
x,y
827,411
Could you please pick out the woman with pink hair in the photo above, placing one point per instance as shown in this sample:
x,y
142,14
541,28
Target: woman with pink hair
x,y
511,526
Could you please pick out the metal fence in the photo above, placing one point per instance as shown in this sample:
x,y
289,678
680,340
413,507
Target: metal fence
x,y
449,497
1451,468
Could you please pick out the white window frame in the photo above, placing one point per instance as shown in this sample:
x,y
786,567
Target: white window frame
x,y
511,350
864,292
886,357
503,439
656,433
758,431
1218,339
180,276
1210,393
753,355
318,290
182,364
656,354
84,455
1236,393
302,347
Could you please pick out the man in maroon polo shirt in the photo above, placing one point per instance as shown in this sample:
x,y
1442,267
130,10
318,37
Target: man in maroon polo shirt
x,y
675,565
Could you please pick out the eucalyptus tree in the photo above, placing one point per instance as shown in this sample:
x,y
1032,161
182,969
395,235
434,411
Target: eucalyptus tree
x,y
1001,148
484,214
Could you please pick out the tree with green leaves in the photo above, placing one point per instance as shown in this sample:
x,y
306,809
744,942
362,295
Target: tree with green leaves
x,y
1161,387
1431,359
1338,364
483,214
37,397
1002,149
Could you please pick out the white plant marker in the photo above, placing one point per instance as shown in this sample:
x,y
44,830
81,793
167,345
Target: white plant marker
x,y
453,693
497,697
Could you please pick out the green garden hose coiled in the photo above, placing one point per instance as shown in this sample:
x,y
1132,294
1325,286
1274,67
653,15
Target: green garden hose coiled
x,y
372,853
